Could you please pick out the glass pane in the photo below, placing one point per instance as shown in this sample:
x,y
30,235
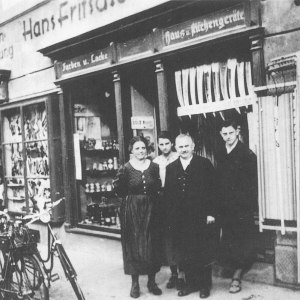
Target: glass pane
x,y
13,159
35,122
38,193
12,126
37,160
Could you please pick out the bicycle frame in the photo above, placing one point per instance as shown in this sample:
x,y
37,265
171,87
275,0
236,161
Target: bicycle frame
x,y
52,242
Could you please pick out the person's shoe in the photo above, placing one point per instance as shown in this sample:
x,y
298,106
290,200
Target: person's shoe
x,y
235,286
204,293
153,288
172,282
180,284
135,291
186,291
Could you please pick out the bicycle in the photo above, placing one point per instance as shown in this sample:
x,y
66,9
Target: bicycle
x,y
22,275
30,273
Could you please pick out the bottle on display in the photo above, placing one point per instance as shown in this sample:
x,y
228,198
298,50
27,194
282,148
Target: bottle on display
x,y
102,219
117,218
113,215
103,188
114,145
115,163
107,217
105,166
109,145
109,187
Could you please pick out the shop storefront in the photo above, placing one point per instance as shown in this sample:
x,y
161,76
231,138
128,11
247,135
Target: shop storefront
x,y
134,85
109,70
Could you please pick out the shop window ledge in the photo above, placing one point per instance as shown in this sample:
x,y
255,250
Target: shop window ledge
x,y
274,222
97,232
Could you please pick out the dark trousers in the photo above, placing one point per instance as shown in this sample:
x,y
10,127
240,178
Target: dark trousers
x,y
199,278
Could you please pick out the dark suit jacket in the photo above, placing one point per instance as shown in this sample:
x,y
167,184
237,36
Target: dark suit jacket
x,y
186,213
236,178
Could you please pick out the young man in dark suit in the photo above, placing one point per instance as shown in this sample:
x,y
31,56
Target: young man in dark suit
x,y
236,178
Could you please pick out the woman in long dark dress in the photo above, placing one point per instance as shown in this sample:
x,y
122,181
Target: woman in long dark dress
x,y
138,183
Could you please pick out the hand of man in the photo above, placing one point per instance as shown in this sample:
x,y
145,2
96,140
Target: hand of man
x,y
210,220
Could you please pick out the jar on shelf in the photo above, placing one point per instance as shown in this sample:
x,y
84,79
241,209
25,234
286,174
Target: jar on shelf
x,y
105,165
92,187
94,166
104,145
110,165
109,187
100,166
98,187
103,188
87,187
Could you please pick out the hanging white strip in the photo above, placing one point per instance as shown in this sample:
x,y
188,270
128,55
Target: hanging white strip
x,y
232,64
193,85
216,83
200,85
179,87
223,80
207,83
185,86
249,77
278,164
241,78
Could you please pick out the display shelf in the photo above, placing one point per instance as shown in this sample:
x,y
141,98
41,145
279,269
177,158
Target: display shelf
x,y
12,143
11,185
96,173
98,227
38,177
100,153
17,213
36,140
16,198
104,193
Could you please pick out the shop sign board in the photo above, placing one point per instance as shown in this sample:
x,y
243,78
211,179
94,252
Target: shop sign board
x,y
95,58
215,106
145,122
206,25
135,48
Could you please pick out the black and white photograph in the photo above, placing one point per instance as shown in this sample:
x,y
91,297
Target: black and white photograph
x,y
149,149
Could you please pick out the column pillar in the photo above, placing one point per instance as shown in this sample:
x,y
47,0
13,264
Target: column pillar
x,y
119,111
259,76
65,158
163,104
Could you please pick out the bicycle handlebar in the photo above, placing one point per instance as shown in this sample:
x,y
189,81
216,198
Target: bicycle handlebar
x,y
45,212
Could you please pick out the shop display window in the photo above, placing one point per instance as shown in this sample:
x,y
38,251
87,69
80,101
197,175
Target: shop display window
x,y
95,124
25,147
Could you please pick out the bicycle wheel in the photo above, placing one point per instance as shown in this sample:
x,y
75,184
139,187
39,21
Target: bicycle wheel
x,y
24,280
69,271
2,285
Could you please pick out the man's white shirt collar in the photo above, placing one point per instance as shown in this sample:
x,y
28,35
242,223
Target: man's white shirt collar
x,y
185,162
